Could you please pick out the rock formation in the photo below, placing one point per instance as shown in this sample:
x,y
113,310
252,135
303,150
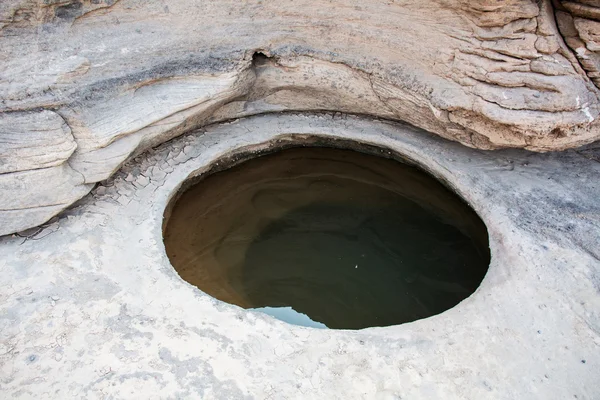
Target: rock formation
x,y
85,85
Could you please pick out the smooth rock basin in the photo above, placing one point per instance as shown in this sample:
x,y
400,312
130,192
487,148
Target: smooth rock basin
x,y
325,237
91,307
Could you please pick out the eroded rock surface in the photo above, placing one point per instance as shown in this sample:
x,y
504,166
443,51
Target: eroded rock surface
x,y
127,75
92,308
579,23
33,140
36,179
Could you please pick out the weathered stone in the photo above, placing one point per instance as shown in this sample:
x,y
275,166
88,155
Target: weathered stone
x,y
29,198
129,75
579,23
32,140
95,310
589,31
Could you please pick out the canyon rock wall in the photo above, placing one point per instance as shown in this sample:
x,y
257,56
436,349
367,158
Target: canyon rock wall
x,y
85,85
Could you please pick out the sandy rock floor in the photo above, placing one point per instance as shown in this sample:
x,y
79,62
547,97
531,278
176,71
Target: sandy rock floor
x,y
91,308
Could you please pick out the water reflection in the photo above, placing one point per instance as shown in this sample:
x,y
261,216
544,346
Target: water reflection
x,y
344,239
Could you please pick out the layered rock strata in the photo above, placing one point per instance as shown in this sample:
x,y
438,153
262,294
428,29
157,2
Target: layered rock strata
x,y
121,76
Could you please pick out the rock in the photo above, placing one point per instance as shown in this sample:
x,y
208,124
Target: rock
x,y
36,181
32,140
29,198
143,116
579,23
128,75
127,326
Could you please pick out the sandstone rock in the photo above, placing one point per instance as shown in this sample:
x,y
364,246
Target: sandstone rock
x,y
128,75
153,109
32,140
579,23
29,198
95,310
36,181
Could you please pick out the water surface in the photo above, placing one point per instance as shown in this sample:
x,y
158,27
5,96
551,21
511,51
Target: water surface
x,y
325,237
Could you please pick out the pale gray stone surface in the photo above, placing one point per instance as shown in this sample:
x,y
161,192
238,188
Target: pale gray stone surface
x,y
38,195
91,308
34,140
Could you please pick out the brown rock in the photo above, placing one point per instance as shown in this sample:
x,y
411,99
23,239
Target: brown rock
x,y
128,75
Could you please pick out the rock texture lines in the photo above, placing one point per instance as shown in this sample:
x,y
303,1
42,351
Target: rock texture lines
x,y
579,23
91,308
113,78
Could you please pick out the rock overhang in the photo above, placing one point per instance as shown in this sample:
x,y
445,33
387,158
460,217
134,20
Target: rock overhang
x,y
520,74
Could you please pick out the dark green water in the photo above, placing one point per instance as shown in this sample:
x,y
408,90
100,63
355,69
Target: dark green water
x,y
350,240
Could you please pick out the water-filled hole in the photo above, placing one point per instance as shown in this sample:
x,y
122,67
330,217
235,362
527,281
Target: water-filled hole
x,y
328,237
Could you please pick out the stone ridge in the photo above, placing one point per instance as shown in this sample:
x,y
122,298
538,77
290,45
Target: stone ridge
x,y
125,76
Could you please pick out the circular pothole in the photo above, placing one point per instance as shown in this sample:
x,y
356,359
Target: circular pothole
x,y
328,238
